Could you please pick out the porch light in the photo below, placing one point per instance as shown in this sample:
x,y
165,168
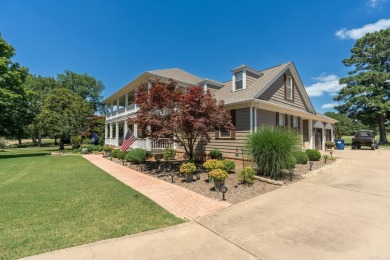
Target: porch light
x,y
325,157
291,172
172,174
311,165
224,189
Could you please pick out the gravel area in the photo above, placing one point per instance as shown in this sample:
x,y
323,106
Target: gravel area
x,y
236,192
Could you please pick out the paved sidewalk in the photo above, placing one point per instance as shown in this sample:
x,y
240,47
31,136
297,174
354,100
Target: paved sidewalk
x,y
179,201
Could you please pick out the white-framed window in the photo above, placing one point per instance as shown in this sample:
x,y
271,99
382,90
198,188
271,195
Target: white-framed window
x,y
239,81
295,121
225,134
281,120
289,88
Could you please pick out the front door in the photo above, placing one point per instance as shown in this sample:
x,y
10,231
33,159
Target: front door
x,y
318,139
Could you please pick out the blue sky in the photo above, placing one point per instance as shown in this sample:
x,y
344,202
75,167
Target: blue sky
x,y
115,41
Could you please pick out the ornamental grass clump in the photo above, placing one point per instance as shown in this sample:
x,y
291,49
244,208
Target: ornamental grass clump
x,y
218,174
187,168
228,165
270,148
213,164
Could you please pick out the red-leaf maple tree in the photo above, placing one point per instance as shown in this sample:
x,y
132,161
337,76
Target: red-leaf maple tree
x,y
186,114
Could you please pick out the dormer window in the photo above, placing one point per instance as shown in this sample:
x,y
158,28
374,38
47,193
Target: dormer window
x,y
289,88
239,83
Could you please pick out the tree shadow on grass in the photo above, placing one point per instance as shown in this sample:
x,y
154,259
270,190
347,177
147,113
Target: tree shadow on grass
x,y
7,156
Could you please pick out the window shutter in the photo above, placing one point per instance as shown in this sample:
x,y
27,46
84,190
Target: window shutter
x,y
277,118
292,121
293,89
216,134
233,132
284,85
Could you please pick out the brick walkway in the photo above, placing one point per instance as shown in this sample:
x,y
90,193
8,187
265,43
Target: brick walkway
x,y
179,201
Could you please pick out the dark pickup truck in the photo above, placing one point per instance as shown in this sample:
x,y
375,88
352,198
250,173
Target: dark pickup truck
x,y
365,138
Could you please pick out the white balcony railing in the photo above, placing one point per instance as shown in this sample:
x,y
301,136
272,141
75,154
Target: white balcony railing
x,y
162,143
131,108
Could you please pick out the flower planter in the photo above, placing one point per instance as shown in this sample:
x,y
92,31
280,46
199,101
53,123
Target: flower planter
x,y
107,153
218,184
189,177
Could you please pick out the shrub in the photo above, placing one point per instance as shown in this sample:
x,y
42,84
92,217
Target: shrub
x,y
228,165
313,155
107,148
290,162
87,141
84,146
188,168
215,154
75,140
246,175
101,141
98,148
213,165
121,155
3,143
137,155
169,154
270,148
218,174
301,157
114,153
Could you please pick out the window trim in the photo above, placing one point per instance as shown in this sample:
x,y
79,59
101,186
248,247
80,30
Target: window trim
x,y
235,80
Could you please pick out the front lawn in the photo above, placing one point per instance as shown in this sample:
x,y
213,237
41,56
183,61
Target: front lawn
x,y
52,202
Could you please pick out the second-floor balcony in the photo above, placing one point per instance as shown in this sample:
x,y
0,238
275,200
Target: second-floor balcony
x,y
124,110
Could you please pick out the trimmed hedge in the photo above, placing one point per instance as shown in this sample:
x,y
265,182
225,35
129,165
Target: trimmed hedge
x,y
313,155
301,157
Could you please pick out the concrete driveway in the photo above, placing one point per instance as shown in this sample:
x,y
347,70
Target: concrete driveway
x,y
343,213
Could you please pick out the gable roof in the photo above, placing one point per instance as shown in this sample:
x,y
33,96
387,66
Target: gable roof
x,y
177,74
228,96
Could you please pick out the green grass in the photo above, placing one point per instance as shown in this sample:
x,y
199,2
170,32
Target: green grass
x,y
52,202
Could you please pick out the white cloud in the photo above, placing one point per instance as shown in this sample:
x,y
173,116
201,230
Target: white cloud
x,y
375,3
329,105
325,84
360,32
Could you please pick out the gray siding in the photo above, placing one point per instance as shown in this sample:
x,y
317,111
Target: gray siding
x,y
275,93
228,146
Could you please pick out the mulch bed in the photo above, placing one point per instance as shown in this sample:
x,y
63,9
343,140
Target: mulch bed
x,y
236,192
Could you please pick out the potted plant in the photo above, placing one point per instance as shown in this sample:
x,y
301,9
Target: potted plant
x,y
329,145
213,164
84,148
188,170
107,150
219,177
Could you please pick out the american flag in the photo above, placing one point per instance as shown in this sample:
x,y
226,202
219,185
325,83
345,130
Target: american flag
x,y
129,140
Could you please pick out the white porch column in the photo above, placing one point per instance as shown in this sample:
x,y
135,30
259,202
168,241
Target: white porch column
x,y
255,118
105,131
124,129
117,106
110,133
116,133
111,108
311,139
135,130
323,137
251,119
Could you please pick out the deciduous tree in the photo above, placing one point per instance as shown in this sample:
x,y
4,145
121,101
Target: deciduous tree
x,y
63,114
185,114
366,95
13,95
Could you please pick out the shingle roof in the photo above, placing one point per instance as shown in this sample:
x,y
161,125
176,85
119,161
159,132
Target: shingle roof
x,y
228,96
178,74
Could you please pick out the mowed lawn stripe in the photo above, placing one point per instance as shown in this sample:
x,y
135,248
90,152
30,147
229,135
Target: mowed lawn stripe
x,y
52,202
